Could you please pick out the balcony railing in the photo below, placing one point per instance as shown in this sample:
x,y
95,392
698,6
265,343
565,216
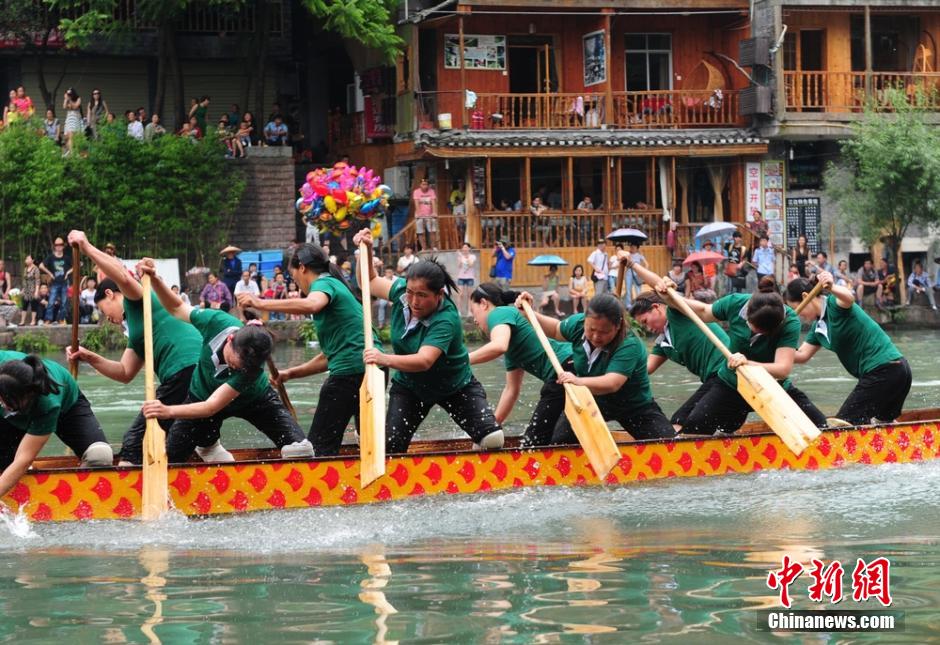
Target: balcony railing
x,y
573,111
850,91
563,229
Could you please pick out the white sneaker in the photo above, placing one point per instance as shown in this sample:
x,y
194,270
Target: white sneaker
x,y
98,454
215,453
492,441
297,450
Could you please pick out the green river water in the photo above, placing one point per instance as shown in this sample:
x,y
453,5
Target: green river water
x,y
668,561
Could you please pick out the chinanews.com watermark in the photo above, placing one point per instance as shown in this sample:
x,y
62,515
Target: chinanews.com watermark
x,y
871,583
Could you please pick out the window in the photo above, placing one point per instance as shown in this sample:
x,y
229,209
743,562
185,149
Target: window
x,y
649,62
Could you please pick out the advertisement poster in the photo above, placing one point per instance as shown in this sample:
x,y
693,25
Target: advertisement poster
x,y
479,52
772,184
752,189
595,58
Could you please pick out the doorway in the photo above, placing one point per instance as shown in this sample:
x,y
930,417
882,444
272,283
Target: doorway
x,y
532,65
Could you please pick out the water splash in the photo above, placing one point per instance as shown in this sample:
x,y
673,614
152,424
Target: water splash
x,y
17,525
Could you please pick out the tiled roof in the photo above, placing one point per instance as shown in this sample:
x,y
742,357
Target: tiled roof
x,y
588,138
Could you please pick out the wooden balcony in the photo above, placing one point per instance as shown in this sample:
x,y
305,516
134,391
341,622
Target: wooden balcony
x,y
630,110
850,91
557,229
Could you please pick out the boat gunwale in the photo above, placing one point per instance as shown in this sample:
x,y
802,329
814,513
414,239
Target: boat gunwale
x,y
748,431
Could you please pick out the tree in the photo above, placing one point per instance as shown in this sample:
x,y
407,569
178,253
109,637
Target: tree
x,y
888,178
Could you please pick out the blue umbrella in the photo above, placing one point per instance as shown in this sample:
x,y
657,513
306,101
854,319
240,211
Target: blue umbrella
x,y
546,261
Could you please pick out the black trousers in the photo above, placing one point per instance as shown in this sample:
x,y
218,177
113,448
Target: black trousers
x,y
647,422
468,408
691,419
548,410
880,394
172,391
267,413
337,404
78,428
721,408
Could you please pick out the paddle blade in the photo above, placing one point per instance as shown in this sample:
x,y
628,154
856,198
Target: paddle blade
x,y
776,408
371,426
591,429
153,502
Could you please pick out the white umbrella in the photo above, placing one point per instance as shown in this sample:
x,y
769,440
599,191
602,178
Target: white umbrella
x,y
716,228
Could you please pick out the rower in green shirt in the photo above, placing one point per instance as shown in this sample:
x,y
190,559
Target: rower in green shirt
x,y
864,349
39,397
762,331
337,316
176,346
512,337
430,361
229,380
610,361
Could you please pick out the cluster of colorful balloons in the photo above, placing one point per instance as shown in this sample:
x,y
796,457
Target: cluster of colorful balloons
x,y
332,197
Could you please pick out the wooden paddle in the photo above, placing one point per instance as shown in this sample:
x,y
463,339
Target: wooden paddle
x,y
809,298
621,278
582,412
76,294
153,496
281,390
762,392
371,392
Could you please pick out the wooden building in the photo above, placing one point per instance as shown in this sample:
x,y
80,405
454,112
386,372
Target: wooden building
x,y
632,104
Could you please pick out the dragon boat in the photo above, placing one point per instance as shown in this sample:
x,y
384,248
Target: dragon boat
x,y
57,489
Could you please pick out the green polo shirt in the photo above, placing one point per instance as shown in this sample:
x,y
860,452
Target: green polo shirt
x,y
859,342
525,351
43,417
215,325
683,342
339,327
761,348
443,330
176,345
629,359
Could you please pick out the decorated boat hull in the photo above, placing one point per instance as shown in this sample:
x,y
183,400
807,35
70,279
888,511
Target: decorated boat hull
x,y
54,491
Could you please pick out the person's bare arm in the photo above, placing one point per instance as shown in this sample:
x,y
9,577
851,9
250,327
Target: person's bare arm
x,y
421,361
122,371
26,453
510,394
314,303
223,395
170,301
654,362
498,345
805,352
606,384
703,310
551,326
109,265
316,365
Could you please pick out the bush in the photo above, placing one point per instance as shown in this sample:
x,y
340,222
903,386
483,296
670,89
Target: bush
x,y
307,332
168,198
30,343
105,337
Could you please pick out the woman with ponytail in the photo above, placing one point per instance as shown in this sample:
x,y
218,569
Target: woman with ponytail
x,y
609,360
837,323
229,381
431,363
337,316
762,331
512,337
39,397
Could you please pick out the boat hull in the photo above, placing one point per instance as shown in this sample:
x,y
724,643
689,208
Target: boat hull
x,y
70,494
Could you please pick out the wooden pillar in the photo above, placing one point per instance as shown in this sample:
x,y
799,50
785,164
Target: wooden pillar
x,y
570,205
489,184
868,54
474,228
619,183
608,217
527,184
463,77
609,95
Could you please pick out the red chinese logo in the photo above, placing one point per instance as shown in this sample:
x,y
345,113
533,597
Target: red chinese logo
x,y
869,580
872,580
827,581
783,578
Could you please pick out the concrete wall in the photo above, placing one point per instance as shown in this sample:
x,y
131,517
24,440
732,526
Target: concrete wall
x,y
266,217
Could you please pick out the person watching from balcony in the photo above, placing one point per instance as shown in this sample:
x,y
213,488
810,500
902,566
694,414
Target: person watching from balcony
x,y
585,205
457,195
541,224
275,132
425,205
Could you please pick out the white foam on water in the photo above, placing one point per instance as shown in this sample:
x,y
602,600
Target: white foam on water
x,y
17,525
798,505
925,383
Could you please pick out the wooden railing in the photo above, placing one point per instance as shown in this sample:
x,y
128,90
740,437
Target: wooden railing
x,y
450,237
556,229
676,109
850,91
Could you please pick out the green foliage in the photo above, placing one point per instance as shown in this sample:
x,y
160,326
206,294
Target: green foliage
x,y
369,22
385,335
105,337
32,343
169,198
889,174
307,332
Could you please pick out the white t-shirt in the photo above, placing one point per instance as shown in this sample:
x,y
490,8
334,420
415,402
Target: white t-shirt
x,y
136,130
251,287
88,297
404,262
599,260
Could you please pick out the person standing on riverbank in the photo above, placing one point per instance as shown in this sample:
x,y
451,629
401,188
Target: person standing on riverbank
x,y
120,299
229,381
58,266
864,349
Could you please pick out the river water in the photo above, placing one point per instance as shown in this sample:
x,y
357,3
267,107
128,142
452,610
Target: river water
x,y
667,561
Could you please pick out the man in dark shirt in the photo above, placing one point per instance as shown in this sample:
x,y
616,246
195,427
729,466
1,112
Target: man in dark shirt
x,y
58,266
888,279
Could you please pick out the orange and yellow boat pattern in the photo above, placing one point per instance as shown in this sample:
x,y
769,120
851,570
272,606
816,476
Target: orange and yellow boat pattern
x,y
100,494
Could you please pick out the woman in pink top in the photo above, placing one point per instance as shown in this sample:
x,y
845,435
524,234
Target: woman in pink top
x,y
24,104
425,200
